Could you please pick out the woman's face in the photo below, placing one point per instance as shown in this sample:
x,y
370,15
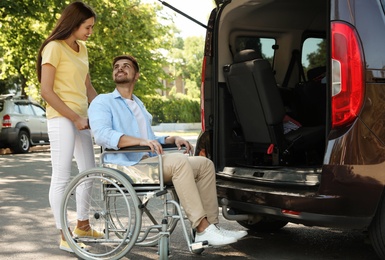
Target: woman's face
x,y
85,29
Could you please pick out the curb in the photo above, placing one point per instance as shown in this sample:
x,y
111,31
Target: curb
x,y
172,127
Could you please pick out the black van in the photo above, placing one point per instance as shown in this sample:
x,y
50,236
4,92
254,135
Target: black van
x,y
293,113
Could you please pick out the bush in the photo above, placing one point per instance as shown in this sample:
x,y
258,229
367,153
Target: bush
x,y
172,110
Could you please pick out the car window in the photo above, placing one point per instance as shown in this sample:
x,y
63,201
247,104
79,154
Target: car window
x,y
38,110
1,106
264,46
313,55
16,109
25,109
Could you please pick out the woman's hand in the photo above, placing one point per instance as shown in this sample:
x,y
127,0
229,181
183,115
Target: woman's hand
x,y
81,123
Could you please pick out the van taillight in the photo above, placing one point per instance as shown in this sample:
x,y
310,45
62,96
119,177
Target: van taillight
x,y
7,121
203,122
347,75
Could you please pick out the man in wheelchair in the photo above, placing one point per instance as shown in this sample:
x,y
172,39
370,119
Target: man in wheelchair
x,y
119,119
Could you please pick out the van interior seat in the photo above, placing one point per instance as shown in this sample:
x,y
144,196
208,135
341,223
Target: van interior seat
x,y
309,98
259,107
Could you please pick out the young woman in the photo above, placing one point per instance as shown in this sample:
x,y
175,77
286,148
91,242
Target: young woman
x,y
63,71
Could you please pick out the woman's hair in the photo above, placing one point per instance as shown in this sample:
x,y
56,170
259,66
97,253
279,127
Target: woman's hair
x,y
70,20
127,57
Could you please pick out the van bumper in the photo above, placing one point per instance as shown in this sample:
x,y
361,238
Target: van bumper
x,y
305,207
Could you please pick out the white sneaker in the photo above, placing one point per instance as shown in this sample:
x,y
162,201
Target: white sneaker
x,y
235,234
214,237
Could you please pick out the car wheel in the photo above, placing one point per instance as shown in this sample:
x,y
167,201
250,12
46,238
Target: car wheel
x,y
377,231
23,144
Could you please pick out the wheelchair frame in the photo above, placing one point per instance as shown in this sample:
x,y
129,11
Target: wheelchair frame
x,y
121,210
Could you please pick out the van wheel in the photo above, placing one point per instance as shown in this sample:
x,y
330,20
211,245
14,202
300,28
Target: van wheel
x,y
23,144
264,225
377,231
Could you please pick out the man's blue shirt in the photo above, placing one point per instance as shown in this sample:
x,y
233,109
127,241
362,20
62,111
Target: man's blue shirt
x,y
110,118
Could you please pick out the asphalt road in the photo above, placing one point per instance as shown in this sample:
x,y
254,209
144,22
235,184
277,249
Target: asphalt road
x,y
27,230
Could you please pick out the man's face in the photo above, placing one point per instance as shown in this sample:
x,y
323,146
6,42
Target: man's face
x,y
124,72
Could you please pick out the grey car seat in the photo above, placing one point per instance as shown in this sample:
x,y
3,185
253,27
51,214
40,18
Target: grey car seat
x,y
260,110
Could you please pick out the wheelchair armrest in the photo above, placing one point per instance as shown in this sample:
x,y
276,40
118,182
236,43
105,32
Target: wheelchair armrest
x,y
127,149
139,148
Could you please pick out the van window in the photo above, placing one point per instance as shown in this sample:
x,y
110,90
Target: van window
x,y
313,54
262,45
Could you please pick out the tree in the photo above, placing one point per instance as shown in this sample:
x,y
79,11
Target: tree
x,y
122,26
188,63
128,27
20,37
318,57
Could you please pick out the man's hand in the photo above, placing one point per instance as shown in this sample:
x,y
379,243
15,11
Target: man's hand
x,y
154,145
179,142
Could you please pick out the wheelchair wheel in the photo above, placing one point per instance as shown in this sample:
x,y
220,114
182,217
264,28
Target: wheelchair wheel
x,y
153,211
163,248
96,187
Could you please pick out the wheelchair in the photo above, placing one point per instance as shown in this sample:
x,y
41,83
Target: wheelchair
x,y
129,214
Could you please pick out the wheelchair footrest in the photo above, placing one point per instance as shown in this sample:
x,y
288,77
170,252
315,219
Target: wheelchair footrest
x,y
199,245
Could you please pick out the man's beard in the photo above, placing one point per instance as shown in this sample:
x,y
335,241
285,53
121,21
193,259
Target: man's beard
x,y
123,80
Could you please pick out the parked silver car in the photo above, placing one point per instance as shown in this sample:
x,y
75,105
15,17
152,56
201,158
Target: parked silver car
x,y
23,124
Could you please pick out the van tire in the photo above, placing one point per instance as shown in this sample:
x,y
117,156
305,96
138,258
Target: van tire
x,y
377,231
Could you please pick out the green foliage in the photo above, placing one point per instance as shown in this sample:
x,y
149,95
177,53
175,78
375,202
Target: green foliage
x,y
188,59
318,57
180,109
154,105
128,27
124,26
20,38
